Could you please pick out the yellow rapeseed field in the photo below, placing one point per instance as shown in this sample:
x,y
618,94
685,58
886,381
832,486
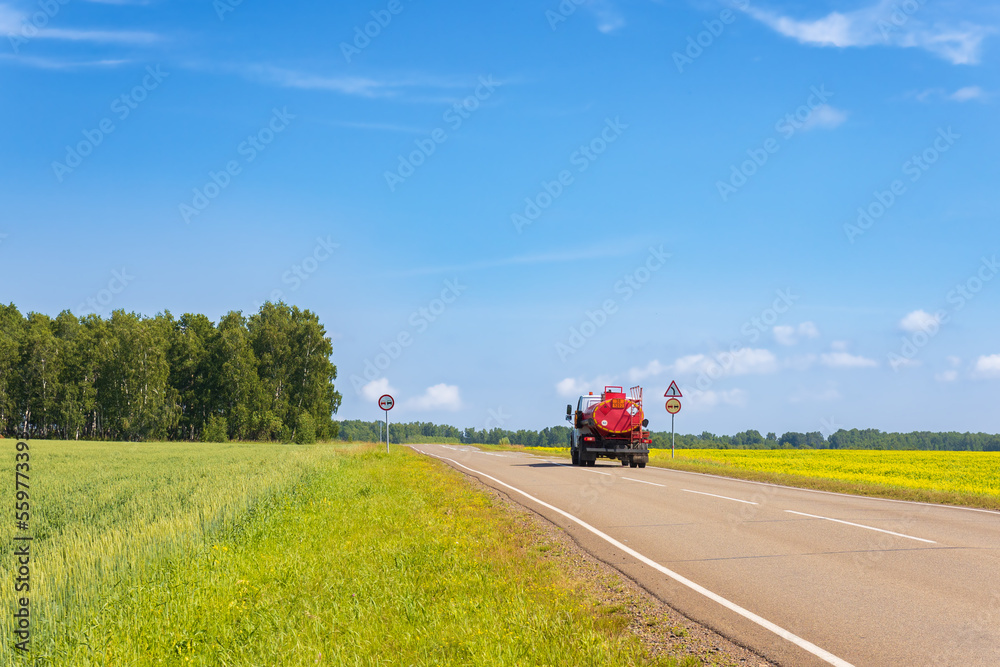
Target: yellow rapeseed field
x,y
963,473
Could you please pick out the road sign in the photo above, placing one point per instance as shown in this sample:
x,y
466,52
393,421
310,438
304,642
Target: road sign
x,y
673,406
673,391
385,402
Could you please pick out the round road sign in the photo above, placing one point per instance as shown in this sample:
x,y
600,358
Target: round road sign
x,y
673,406
385,402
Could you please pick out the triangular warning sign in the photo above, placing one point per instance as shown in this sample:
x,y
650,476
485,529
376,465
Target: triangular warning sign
x,y
673,391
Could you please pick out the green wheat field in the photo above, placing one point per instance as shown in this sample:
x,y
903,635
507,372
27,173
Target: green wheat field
x,y
260,554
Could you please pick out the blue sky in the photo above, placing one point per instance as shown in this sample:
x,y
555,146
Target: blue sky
x,y
789,208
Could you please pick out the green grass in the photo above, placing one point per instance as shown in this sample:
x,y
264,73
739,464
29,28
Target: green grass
x,y
245,554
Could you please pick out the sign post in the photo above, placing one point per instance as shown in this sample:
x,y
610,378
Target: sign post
x,y
386,402
673,407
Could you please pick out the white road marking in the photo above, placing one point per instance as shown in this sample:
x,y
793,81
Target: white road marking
x,y
732,606
858,525
827,493
599,472
702,493
642,481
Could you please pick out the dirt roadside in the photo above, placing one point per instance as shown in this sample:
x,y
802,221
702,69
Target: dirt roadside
x,y
662,629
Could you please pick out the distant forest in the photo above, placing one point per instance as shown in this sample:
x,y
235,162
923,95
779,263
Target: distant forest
x,y
558,436
266,377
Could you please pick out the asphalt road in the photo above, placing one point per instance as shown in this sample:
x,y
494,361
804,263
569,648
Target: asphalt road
x,y
801,577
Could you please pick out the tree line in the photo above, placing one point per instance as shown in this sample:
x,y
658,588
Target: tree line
x,y
369,431
128,377
558,436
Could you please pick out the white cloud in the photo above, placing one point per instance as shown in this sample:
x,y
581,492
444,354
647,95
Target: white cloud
x,y
746,361
873,25
359,86
376,388
846,360
608,17
919,320
785,335
903,362
988,366
789,335
439,397
652,369
946,376
954,361
839,345
825,117
699,400
967,93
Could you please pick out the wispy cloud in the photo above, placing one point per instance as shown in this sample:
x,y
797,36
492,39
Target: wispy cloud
x,y
59,64
609,18
846,360
381,127
878,25
968,93
583,254
13,22
789,335
824,117
360,86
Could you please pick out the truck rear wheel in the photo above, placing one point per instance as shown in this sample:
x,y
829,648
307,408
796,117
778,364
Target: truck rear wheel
x,y
592,462
574,456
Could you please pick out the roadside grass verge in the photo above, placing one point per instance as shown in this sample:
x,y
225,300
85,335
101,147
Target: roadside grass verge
x,y
333,555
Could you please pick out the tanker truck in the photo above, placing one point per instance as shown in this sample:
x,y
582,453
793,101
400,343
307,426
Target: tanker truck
x,y
610,425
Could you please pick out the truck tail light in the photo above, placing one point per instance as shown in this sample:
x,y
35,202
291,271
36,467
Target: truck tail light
x,y
588,438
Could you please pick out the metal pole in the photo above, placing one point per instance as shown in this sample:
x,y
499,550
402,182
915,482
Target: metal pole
x,y
379,431
672,436
386,431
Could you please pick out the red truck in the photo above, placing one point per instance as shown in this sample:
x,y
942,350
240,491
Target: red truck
x,y
610,425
